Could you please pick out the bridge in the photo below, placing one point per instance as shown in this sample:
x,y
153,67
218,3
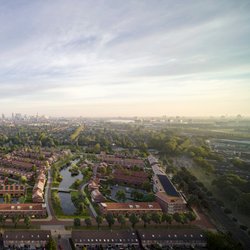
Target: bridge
x,y
63,190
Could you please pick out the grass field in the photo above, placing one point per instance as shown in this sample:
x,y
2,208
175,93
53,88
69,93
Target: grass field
x,y
207,179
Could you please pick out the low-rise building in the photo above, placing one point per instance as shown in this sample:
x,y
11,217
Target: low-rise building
x,y
136,178
15,190
129,208
12,172
122,161
35,210
105,239
26,239
152,160
93,185
183,238
96,196
38,190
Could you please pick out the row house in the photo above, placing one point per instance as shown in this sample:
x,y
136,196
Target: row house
x,y
34,210
28,239
136,178
125,162
180,238
15,190
105,239
38,190
12,172
129,208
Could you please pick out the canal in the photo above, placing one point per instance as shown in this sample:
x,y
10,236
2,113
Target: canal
x,y
66,202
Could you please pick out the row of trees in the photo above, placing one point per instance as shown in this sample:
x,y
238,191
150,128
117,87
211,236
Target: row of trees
x,y
15,220
134,219
235,190
195,191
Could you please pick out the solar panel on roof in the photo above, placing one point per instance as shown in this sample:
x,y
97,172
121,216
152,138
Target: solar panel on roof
x,y
167,185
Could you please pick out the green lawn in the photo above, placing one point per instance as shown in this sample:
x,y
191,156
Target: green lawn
x,y
206,179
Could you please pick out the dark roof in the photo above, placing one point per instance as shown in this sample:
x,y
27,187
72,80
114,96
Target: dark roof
x,y
178,235
167,185
104,237
27,235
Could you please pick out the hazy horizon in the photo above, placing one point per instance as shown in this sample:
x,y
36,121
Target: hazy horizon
x,y
125,58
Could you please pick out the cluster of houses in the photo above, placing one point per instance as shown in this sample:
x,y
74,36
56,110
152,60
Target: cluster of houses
x,y
121,160
168,199
115,239
31,164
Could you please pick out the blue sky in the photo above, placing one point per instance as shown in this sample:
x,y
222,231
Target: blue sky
x,y
110,58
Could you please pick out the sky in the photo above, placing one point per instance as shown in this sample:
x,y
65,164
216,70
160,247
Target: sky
x,y
125,58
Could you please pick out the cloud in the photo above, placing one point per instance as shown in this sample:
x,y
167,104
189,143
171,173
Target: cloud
x,y
122,51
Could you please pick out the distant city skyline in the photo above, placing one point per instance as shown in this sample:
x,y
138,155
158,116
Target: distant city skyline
x,y
125,58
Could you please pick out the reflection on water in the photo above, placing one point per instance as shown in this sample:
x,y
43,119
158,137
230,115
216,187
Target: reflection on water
x,y
66,203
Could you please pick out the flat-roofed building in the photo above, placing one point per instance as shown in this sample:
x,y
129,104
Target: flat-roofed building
x,y
129,208
105,239
27,239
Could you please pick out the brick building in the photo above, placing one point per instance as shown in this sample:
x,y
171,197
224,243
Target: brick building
x,y
129,208
35,210
15,190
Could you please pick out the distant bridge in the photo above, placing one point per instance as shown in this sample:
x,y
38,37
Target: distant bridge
x,y
63,190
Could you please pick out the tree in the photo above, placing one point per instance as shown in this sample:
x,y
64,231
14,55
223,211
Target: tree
x,y
122,220
177,217
120,195
15,219
97,148
133,219
34,168
7,198
99,220
51,245
167,218
88,222
146,185
27,221
22,199
146,218
191,216
2,219
156,218
23,179
77,222
221,241
110,219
